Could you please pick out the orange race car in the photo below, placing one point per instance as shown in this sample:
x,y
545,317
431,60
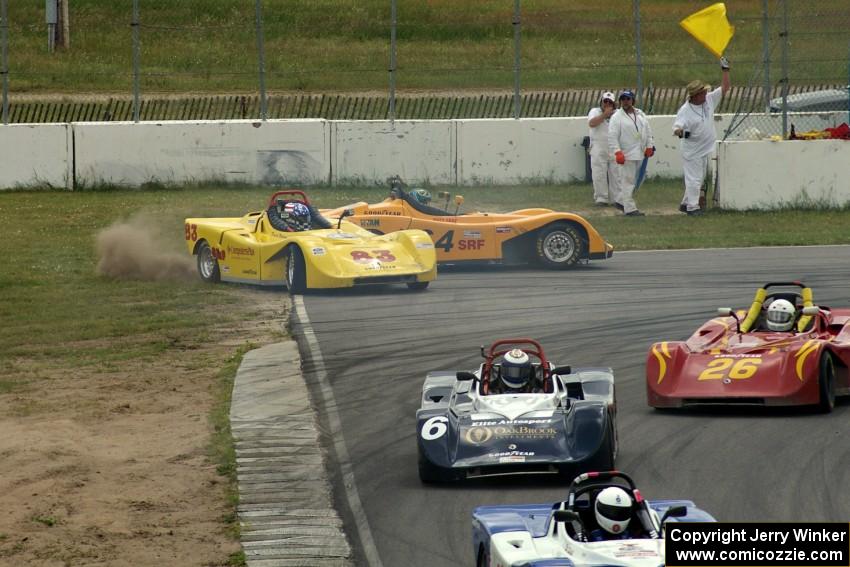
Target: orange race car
x,y
554,239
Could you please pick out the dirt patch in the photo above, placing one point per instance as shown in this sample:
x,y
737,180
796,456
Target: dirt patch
x,y
111,468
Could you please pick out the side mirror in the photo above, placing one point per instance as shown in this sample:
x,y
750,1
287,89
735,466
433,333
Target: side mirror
x,y
458,200
811,310
566,516
444,195
562,370
674,512
466,376
728,312
346,213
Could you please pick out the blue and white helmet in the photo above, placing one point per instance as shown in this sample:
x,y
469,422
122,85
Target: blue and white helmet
x,y
422,196
296,216
516,369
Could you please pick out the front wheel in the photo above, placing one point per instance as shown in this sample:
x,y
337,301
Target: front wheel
x,y
483,559
417,286
208,264
428,472
826,383
296,277
559,245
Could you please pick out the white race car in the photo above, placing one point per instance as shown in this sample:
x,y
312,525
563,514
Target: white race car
x,y
566,533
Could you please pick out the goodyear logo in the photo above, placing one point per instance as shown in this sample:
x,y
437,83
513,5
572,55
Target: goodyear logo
x,y
390,213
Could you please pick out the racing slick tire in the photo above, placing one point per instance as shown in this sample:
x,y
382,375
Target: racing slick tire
x,y
559,245
429,473
296,275
483,559
417,286
207,263
826,383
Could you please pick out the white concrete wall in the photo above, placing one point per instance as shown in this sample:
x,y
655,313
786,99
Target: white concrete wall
x,y
372,150
35,155
276,151
765,174
499,151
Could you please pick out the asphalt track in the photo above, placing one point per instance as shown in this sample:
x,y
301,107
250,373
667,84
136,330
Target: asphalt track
x,y
377,345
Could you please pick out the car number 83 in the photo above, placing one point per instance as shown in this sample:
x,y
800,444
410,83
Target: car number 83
x,y
435,428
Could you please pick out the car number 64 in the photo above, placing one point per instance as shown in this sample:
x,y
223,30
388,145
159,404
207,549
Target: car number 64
x,y
435,428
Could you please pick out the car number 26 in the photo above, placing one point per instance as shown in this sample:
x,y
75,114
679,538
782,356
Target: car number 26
x,y
435,428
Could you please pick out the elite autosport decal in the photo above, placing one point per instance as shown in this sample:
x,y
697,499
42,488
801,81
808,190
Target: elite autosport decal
x,y
503,229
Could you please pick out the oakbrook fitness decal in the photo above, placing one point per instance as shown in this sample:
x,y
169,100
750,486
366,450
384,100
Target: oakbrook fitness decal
x,y
690,544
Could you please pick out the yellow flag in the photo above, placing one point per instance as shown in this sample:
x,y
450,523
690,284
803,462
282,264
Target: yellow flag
x,y
710,27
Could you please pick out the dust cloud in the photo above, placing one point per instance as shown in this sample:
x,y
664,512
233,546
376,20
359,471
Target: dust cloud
x,y
137,249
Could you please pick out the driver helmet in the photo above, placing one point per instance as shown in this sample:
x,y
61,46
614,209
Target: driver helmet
x,y
296,216
516,369
613,510
422,196
780,315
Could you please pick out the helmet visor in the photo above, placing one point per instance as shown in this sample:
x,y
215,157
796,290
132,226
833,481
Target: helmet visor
x,y
516,372
614,513
780,317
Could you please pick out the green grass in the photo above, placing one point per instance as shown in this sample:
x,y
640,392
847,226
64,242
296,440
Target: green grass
x,y
343,45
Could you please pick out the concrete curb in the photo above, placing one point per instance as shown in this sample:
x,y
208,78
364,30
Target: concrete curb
x,y
285,500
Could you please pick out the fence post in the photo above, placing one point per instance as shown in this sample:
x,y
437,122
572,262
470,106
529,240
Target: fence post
x,y
4,70
784,36
393,22
517,61
765,41
639,93
136,58
261,57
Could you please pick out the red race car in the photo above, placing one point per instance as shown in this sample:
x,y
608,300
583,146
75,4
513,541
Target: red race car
x,y
783,351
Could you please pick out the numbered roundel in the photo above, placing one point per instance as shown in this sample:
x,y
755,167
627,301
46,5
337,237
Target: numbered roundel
x,y
434,428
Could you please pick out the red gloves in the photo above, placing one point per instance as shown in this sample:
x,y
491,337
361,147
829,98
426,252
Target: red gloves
x,y
620,156
649,152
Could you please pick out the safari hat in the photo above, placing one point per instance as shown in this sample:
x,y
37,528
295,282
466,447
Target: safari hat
x,y
696,87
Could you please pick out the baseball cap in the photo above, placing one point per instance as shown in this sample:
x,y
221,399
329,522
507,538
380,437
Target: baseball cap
x,y
608,95
627,94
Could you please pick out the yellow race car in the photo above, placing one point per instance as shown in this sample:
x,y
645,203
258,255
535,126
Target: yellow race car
x,y
290,243
553,239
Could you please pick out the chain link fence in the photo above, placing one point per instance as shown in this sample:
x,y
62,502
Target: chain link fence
x,y
411,59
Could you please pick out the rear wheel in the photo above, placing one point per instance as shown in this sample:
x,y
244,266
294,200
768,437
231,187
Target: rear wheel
x,y
296,276
826,383
207,263
559,245
418,286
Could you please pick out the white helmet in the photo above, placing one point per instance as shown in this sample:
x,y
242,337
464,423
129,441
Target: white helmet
x,y
613,510
780,315
516,369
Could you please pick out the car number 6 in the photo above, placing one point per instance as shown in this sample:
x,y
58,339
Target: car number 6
x,y
435,428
